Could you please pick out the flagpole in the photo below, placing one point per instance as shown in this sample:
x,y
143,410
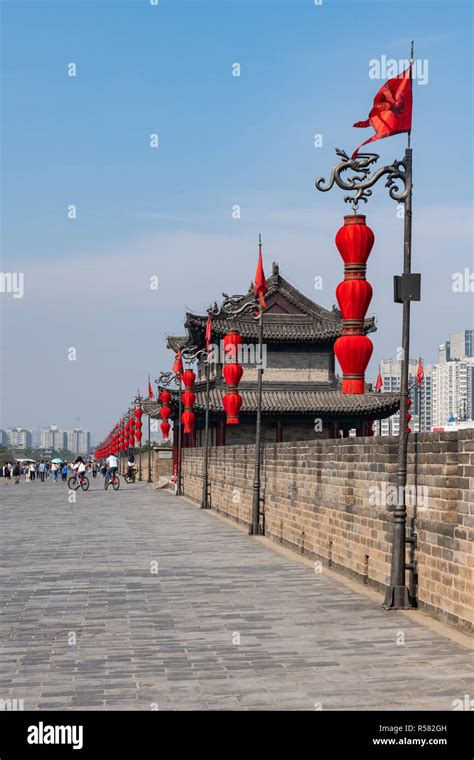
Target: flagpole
x,y
205,475
178,478
255,527
397,595
149,479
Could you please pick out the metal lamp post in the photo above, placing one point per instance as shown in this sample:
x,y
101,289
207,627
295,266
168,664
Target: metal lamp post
x,y
231,307
138,400
165,380
354,175
203,354
205,476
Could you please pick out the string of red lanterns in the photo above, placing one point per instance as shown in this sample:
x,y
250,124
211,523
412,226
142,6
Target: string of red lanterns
x,y
188,418
353,349
138,423
232,371
165,412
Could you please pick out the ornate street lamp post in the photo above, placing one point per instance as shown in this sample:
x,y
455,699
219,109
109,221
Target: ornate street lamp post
x,y
354,175
231,307
165,380
203,355
138,401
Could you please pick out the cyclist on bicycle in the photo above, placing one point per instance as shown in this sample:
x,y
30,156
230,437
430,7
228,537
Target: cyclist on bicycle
x,y
79,467
112,466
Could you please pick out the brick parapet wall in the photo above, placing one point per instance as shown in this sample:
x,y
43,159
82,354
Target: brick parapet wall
x,y
330,499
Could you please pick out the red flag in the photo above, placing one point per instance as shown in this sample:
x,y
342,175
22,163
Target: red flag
x,y
208,332
378,382
150,390
392,109
420,374
260,284
178,364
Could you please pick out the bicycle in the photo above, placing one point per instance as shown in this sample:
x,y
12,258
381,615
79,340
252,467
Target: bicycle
x,y
130,478
115,480
76,482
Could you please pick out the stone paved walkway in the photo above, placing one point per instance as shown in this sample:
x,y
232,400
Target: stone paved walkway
x,y
84,573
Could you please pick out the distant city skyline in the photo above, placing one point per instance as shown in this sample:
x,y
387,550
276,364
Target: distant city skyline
x,y
77,440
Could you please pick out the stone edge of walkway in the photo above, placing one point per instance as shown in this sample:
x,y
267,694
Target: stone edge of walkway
x,y
420,617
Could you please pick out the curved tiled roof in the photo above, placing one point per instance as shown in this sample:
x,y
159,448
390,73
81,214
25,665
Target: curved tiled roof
x,y
322,402
310,322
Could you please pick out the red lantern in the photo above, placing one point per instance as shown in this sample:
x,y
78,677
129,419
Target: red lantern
x,y
165,412
165,429
353,354
354,297
232,403
232,341
188,418
232,374
138,413
355,240
138,435
165,397
189,397
188,377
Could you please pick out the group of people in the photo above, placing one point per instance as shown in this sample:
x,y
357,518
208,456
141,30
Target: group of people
x,y
42,470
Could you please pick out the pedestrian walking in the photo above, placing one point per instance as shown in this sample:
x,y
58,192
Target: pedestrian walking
x,y
6,472
64,472
55,471
42,471
32,472
17,473
94,469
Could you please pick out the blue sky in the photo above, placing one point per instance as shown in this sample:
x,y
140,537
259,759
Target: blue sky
x,y
223,140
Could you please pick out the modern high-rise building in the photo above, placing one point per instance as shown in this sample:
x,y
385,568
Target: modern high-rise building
x,y
36,437
3,438
19,438
444,352
53,438
461,345
390,370
453,380
78,441
452,391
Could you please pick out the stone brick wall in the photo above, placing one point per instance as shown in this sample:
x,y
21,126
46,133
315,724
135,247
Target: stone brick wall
x,y
332,500
159,466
